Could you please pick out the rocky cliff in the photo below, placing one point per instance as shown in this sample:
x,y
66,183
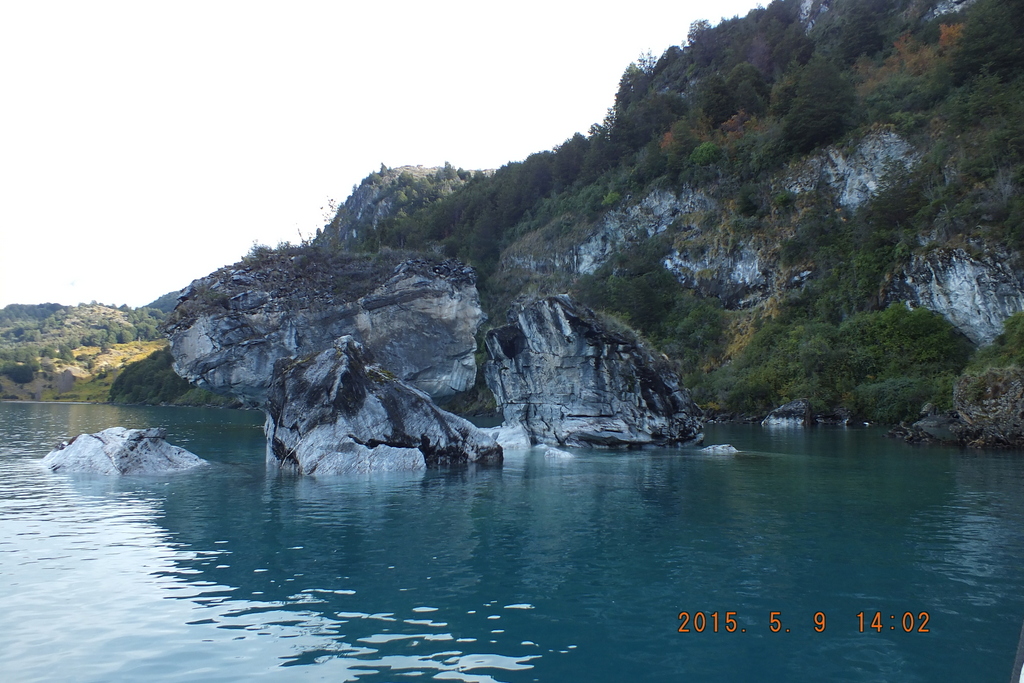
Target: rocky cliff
x,y
565,378
418,318
337,412
974,292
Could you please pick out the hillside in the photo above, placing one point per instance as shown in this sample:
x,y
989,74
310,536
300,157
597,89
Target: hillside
x,y
73,353
819,199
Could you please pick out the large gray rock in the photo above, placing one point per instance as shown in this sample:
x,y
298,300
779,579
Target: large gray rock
x,y
417,318
566,379
121,451
974,293
793,414
337,412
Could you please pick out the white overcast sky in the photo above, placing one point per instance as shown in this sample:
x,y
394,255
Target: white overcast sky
x,y
144,144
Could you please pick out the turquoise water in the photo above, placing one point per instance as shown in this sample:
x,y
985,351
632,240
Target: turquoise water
x,y
544,569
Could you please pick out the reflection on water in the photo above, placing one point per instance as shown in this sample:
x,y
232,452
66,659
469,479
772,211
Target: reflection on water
x,y
546,569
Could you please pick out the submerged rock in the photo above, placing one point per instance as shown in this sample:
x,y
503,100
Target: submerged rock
x,y
793,414
565,379
719,449
121,451
418,319
338,412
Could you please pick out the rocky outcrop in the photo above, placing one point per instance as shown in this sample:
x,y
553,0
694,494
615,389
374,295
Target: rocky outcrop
x,y
653,215
947,7
417,318
587,248
382,194
121,451
853,177
565,378
739,278
975,293
337,412
990,408
793,414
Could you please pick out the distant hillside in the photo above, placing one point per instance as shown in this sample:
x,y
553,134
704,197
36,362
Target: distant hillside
x,y
51,352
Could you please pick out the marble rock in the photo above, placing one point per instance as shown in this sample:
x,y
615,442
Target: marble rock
x,y
564,378
339,412
121,451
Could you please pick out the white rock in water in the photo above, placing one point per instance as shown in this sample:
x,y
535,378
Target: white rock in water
x,y
121,451
719,449
556,453
514,438
350,457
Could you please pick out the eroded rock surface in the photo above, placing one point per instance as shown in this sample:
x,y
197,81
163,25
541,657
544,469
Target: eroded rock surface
x,y
417,318
974,293
121,451
564,378
337,412
853,176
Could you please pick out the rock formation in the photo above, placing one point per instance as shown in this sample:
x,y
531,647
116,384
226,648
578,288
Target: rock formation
x,y
566,379
337,412
300,335
990,408
974,293
854,176
793,414
418,319
121,451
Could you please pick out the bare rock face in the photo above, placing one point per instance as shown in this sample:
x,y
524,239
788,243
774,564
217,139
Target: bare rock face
x,y
337,412
416,317
853,176
564,378
975,294
121,451
793,414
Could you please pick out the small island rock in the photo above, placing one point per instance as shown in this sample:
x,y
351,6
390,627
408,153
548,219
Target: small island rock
x,y
121,451
337,412
561,375
793,414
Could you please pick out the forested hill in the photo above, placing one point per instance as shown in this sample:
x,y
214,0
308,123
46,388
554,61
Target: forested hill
x,y
758,198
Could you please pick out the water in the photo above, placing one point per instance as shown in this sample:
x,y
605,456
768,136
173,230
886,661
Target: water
x,y
541,570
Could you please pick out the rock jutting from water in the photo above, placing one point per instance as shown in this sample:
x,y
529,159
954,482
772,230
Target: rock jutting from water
x,y
417,318
793,414
561,375
343,353
121,451
338,413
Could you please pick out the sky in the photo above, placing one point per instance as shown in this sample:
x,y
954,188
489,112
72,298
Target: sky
x,y
144,144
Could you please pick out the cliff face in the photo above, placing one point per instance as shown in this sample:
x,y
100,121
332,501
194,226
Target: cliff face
x,y
417,318
560,375
976,294
851,176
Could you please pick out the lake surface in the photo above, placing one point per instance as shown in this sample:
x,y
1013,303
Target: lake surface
x,y
545,569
